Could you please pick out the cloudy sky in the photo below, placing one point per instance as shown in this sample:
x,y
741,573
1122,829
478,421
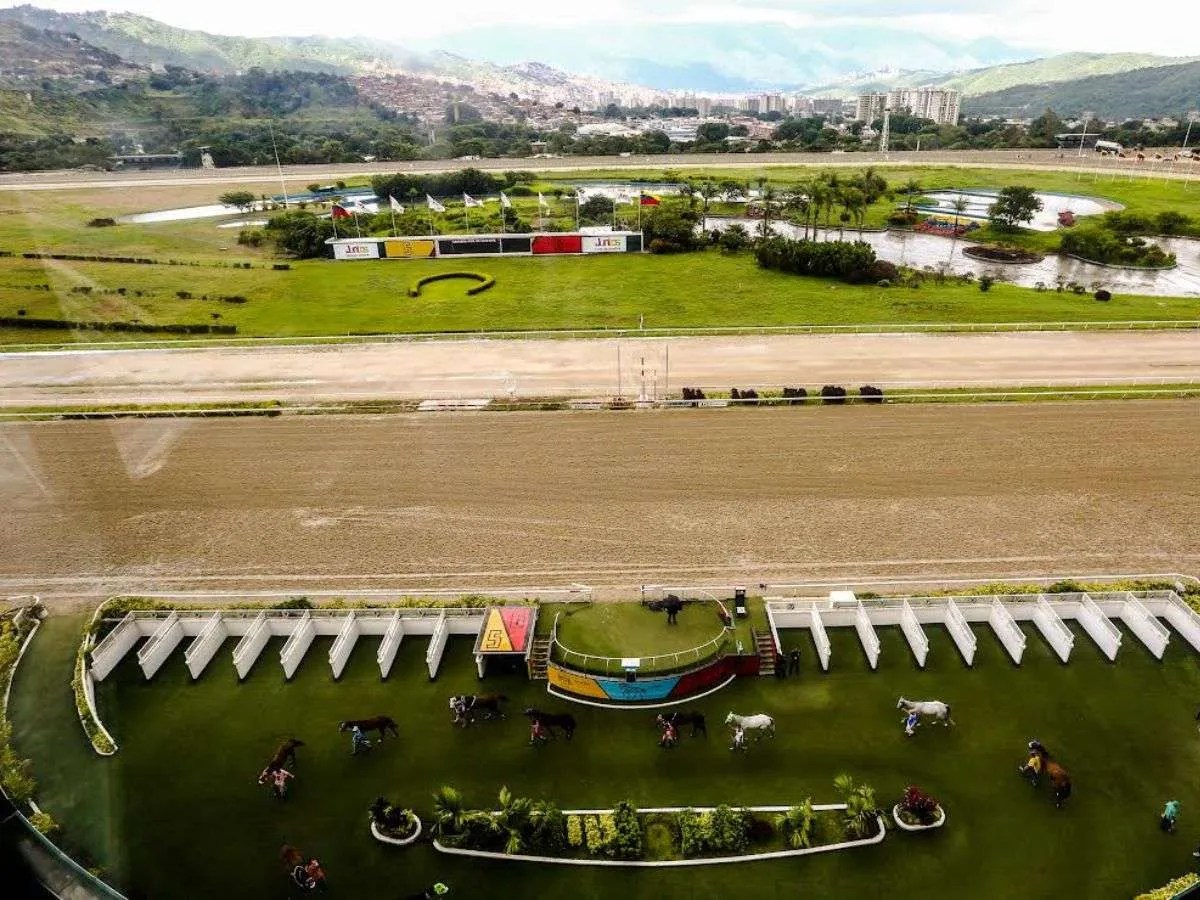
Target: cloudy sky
x,y
1166,26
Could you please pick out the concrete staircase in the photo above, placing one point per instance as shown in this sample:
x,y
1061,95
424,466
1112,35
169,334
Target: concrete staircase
x,y
764,644
539,658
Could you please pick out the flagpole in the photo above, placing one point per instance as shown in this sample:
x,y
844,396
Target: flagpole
x,y
576,209
392,207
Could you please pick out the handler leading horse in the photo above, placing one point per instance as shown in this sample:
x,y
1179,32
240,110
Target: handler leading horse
x,y
1040,763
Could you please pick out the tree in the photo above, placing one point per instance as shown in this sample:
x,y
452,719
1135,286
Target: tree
x,y
712,132
512,820
1014,205
734,238
669,230
960,205
242,200
597,208
300,234
797,825
859,816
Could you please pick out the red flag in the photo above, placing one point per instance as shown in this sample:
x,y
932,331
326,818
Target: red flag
x,y
339,212
649,200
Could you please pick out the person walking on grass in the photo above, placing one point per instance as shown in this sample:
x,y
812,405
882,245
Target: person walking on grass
x,y
911,721
279,782
1169,817
358,741
794,662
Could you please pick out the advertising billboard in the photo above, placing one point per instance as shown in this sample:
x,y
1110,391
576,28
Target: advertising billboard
x,y
468,246
356,250
557,243
406,248
604,243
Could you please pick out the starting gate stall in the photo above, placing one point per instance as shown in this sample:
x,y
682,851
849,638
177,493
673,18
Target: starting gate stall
x,y
390,644
1050,624
1007,630
437,646
111,650
161,644
339,653
914,633
507,633
1183,619
960,631
251,645
821,638
297,644
206,644
1106,635
867,635
1149,630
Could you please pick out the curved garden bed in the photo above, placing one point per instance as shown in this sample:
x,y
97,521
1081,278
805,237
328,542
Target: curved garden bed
x,y
85,695
905,826
485,282
997,254
1127,268
380,835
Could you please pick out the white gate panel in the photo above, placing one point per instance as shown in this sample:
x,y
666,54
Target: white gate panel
x,y
1184,620
820,638
1148,629
162,643
297,645
251,645
1106,635
867,635
339,653
201,651
437,646
914,633
1007,630
1053,629
111,650
390,644
960,631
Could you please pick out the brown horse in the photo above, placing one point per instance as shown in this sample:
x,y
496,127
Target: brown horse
x,y
465,708
285,755
1039,763
382,724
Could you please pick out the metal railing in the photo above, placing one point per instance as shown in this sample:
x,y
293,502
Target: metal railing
x,y
659,663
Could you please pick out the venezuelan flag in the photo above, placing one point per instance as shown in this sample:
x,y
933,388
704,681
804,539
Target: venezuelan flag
x,y
649,200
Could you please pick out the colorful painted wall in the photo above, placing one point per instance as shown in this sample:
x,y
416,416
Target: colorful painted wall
x,y
651,689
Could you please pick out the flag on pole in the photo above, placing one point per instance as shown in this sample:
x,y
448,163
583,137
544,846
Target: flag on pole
x,y
434,206
396,206
339,212
542,204
470,202
649,200
505,203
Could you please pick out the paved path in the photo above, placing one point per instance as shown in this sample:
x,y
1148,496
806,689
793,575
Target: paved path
x,y
592,368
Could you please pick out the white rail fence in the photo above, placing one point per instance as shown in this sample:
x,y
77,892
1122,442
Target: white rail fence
x,y
1147,615
1050,624
914,633
163,631
1007,630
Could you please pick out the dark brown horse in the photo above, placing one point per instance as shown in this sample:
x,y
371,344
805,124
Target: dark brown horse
x,y
1040,763
550,721
466,707
382,724
285,755
677,720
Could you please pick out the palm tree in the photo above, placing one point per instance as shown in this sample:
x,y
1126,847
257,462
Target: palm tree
x,y
707,191
767,194
512,820
688,189
834,185
797,825
912,186
796,200
859,816
960,206
450,815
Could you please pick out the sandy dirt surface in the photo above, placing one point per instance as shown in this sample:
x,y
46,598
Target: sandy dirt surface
x,y
301,175
631,368
608,499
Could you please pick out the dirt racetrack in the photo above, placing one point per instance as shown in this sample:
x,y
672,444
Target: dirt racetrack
x,y
602,498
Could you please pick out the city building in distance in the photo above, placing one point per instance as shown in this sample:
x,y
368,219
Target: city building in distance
x,y
926,103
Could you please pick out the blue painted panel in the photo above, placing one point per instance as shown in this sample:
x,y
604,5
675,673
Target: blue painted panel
x,y
635,691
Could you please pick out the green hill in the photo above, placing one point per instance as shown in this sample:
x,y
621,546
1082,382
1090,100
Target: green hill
x,y
1064,67
1142,93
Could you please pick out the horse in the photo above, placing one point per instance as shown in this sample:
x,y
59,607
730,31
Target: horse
x,y
1041,762
678,719
382,724
550,721
285,756
466,706
933,708
757,722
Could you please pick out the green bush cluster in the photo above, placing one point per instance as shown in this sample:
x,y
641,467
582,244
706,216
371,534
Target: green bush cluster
x,y
854,262
16,777
722,831
1172,888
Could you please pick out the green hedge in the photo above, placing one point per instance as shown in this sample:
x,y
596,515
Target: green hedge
x,y
485,282
139,327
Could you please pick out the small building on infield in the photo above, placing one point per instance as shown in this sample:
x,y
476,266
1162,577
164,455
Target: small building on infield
x,y
460,245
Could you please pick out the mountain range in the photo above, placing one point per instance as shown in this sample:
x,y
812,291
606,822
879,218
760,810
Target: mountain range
x,y
823,61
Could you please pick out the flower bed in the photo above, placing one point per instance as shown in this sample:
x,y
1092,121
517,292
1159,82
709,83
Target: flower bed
x,y
399,841
626,835
393,824
1002,254
85,699
899,816
917,811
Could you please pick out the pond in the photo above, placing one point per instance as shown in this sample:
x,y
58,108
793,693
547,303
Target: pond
x,y
978,202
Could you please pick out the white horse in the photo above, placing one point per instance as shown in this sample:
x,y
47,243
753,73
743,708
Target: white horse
x,y
758,722
933,708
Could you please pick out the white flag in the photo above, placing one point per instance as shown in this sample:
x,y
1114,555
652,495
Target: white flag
x,y
469,201
396,207
542,204
433,204
505,203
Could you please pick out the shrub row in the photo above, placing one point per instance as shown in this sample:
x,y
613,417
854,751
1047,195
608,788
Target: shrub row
x,y
853,262
135,260
485,282
136,327
794,395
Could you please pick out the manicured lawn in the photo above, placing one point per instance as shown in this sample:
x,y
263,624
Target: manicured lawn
x,y
177,812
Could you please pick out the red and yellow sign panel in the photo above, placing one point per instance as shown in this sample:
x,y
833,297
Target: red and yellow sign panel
x,y
507,629
574,683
